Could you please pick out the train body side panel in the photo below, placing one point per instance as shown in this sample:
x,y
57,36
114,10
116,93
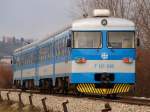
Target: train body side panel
x,y
45,71
62,68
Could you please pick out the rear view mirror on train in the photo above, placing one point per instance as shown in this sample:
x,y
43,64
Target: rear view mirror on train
x,y
68,42
138,42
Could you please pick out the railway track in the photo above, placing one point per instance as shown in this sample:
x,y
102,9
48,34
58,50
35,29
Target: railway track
x,y
120,99
127,100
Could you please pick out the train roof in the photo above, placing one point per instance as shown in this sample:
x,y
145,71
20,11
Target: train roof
x,y
37,42
96,24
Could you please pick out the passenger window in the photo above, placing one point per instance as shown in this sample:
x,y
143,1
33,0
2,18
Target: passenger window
x,y
49,52
64,46
59,52
43,53
57,49
61,47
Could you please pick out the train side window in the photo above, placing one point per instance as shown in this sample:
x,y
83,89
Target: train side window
x,y
68,49
51,53
49,50
42,54
23,60
57,51
14,60
64,46
61,47
56,48
17,61
27,59
46,52
32,58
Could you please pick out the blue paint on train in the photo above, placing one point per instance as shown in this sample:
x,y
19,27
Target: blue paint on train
x,y
94,54
89,78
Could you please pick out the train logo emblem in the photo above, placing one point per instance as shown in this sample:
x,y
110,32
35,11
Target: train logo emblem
x,y
104,56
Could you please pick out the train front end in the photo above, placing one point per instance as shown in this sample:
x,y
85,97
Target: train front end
x,y
103,55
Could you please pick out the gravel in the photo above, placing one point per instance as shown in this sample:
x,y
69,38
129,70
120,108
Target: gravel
x,y
75,104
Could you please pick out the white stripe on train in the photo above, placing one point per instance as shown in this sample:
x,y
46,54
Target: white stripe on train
x,y
91,66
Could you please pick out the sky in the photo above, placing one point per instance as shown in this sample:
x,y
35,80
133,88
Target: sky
x,y
33,18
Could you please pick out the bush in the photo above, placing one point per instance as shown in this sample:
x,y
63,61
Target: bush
x,y
6,74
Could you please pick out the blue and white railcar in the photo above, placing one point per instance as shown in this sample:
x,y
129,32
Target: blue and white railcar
x,y
95,55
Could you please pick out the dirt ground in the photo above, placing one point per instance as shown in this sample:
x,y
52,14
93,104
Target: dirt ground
x,y
6,106
14,107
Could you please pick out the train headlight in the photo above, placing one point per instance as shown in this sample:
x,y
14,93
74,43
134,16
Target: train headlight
x,y
81,60
128,60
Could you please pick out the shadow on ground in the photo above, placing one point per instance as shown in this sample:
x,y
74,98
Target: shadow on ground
x,y
15,107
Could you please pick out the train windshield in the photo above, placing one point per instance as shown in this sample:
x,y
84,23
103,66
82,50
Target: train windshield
x,y
87,40
121,39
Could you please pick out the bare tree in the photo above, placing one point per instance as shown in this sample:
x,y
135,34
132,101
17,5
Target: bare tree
x,y
143,21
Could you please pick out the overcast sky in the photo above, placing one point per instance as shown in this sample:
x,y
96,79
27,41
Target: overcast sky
x,y
33,18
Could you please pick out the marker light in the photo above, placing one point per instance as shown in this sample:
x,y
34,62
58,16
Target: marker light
x,y
81,60
128,60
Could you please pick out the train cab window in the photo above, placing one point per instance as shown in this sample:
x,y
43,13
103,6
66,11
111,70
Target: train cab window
x,y
121,40
87,40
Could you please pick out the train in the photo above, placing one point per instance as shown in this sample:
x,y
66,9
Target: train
x,y
94,55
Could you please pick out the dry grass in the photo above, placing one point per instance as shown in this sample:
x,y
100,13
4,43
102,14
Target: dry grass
x,y
5,75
